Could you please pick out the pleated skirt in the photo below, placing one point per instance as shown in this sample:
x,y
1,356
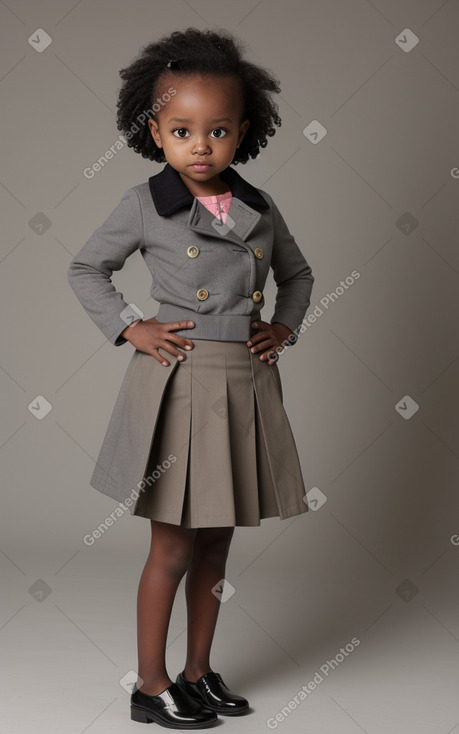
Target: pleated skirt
x,y
222,450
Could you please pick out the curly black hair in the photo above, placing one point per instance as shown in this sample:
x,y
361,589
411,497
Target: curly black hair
x,y
185,53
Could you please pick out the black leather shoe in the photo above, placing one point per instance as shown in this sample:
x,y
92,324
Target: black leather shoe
x,y
172,708
211,691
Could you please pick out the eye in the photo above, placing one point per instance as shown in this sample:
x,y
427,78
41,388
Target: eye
x,y
221,130
179,130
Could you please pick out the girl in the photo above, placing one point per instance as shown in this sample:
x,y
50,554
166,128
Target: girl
x,y
198,441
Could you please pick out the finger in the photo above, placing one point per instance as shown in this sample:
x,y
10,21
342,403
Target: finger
x,y
159,358
169,337
270,356
180,340
178,325
262,346
261,325
260,336
168,347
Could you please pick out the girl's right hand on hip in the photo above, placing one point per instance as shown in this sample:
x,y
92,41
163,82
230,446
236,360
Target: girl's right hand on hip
x,y
150,335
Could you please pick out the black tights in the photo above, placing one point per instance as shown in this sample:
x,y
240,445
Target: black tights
x,y
174,551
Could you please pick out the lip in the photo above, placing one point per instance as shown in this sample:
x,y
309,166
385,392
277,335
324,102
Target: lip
x,y
200,166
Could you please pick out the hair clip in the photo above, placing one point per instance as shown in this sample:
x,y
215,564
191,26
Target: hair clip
x,y
173,63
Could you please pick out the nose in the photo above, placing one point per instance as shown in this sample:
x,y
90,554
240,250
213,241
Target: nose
x,y
201,145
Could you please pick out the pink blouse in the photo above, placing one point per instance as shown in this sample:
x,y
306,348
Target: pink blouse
x,y
218,204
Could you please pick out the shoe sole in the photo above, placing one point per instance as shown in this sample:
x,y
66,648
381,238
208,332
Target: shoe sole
x,y
233,712
148,717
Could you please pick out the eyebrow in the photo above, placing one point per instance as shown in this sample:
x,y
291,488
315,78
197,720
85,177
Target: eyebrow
x,y
185,119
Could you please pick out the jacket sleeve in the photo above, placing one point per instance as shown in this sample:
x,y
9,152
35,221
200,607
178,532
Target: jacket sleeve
x,y
292,275
89,272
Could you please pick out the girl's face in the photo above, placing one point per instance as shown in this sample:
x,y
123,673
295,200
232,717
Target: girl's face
x,y
199,130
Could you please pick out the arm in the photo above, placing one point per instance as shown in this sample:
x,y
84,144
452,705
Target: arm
x,y
294,279
89,272
292,275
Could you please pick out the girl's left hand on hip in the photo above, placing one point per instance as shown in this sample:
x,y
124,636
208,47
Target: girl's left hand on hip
x,y
268,339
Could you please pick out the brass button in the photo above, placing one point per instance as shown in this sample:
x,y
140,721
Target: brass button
x,y
257,296
259,253
193,251
202,294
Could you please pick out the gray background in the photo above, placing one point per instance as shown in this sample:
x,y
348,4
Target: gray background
x,y
378,560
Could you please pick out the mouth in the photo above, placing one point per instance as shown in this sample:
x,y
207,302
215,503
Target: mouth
x,y
200,166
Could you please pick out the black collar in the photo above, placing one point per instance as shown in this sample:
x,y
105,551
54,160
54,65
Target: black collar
x,y
170,193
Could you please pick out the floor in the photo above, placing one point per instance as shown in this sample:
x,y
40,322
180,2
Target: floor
x,y
326,655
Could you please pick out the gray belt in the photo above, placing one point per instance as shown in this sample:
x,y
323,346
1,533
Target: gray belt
x,y
219,326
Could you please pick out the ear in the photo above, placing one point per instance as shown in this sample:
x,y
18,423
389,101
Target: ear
x,y
154,130
243,127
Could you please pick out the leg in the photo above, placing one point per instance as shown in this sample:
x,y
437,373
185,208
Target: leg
x,y
169,557
207,567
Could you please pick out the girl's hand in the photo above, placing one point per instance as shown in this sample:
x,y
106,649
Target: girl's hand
x,y
150,335
268,339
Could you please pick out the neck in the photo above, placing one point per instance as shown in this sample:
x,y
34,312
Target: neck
x,y
206,188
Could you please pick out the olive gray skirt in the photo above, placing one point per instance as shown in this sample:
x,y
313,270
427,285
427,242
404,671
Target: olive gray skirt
x,y
209,437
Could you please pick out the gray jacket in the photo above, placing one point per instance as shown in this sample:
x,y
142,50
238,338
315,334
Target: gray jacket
x,y
202,270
